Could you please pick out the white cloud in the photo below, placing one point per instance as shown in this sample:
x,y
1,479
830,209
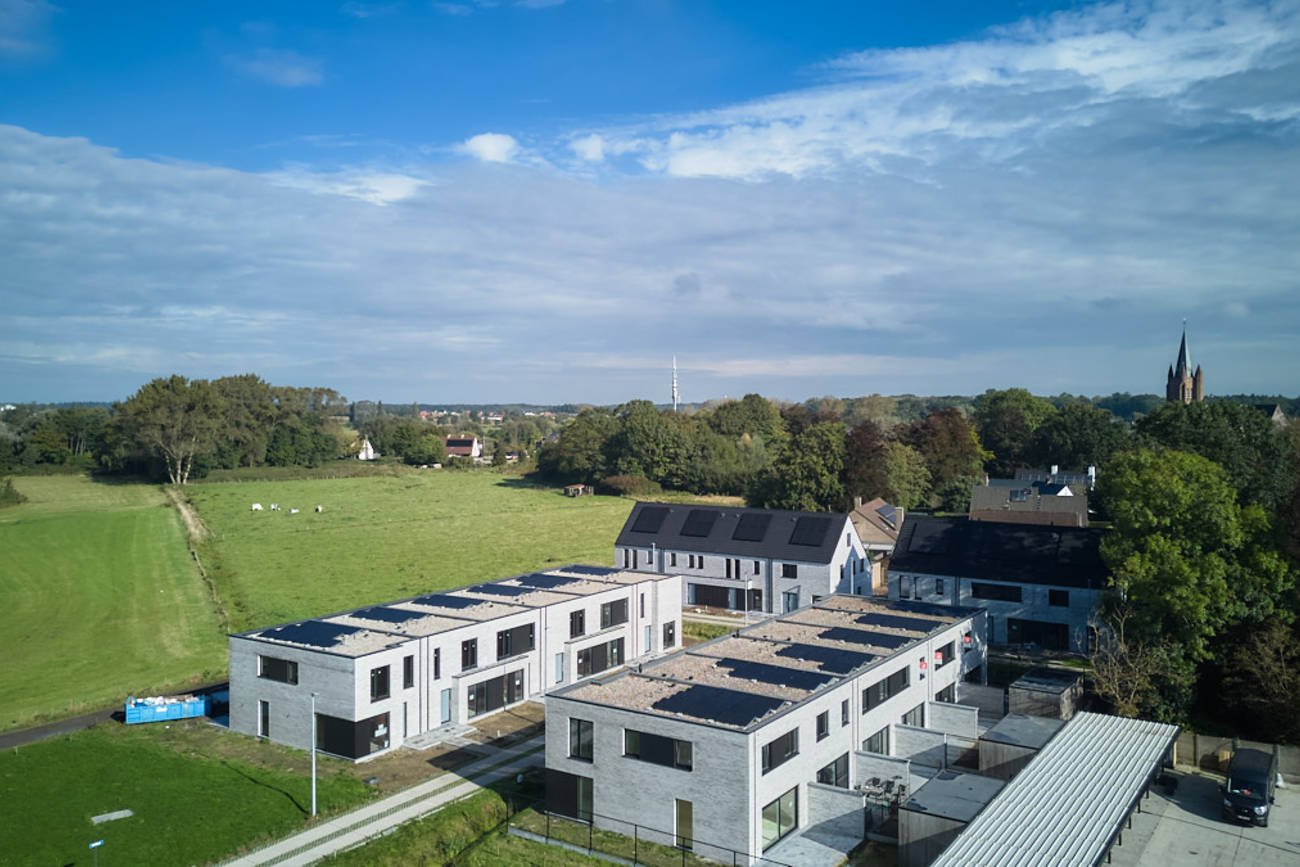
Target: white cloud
x,y
23,27
285,68
491,147
375,186
589,147
459,9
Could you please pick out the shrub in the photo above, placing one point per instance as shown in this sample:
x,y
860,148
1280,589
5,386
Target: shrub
x,y
9,495
629,486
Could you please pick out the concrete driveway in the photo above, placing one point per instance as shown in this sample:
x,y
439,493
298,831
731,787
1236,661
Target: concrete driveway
x,y
1185,829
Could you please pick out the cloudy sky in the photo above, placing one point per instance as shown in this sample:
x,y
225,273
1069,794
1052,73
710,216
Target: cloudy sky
x,y
544,201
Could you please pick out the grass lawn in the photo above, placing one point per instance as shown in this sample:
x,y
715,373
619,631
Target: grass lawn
x,y
100,598
387,537
197,793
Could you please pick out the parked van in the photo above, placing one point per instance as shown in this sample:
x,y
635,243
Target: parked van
x,y
1248,794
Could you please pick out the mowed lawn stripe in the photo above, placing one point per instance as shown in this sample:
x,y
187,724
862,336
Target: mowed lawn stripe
x,y
384,538
102,600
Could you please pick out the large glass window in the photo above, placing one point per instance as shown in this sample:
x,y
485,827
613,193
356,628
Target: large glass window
x,y
469,654
883,690
836,773
877,743
685,821
658,750
494,693
580,739
789,570
1060,598
999,592
350,739
512,642
577,623
780,750
379,683
282,670
593,660
780,817
915,716
613,613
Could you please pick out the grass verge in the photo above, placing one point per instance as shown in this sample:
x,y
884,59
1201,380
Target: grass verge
x,y
695,631
609,842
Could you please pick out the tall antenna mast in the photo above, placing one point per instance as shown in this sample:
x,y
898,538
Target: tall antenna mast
x,y
674,383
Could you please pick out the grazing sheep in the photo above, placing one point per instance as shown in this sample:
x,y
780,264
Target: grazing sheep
x,y
293,511
275,507
320,508
257,507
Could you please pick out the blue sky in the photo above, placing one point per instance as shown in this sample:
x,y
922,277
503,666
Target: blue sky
x,y
545,201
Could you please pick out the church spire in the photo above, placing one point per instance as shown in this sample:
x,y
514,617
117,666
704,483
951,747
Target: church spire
x,y
1184,365
1183,384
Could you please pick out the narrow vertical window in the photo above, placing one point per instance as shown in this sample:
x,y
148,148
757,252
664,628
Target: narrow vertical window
x,y
264,719
408,672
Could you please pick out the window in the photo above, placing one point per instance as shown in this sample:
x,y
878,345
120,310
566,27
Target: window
x,y
379,683
495,693
915,716
877,743
593,660
789,600
264,718
282,670
789,570
947,694
584,799
408,672
577,623
613,613
780,818
672,558
836,773
1052,636
512,642
691,558
685,821
559,668
756,567
469,654
780,750
938,586
658,750
945,655
905,586
1000,592
700,561
883,690
670,634
823,724
580,739
627,558
641,606
1060,598
844,712
437,663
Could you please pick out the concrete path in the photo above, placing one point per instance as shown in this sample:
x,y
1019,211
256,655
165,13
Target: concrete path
x,y
355,827
723,620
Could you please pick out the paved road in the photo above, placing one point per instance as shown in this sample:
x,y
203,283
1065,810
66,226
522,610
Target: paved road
x,y
357,826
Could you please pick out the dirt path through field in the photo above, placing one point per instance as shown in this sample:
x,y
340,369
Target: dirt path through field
x,y
194,526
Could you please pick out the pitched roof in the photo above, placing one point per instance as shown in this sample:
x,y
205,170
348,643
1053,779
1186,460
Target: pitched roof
x,y
877,522
1026,553
987,498
807,537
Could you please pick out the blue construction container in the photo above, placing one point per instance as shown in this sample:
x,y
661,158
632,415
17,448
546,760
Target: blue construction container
x,y
140,710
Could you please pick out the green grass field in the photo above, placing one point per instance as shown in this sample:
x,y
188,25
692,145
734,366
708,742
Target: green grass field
x,y
386,537
198,794
100,598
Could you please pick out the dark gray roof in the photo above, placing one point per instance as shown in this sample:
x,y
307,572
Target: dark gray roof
x,y
1048,680
1022,730
1023,553
810,537
954,796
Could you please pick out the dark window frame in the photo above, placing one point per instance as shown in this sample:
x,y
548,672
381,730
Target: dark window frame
x,y
1058,598
836,773
469,654
996,592
380,686
408,672
789,570
613,613
581,739
823,725
780,750
670,634
658,750
289,675
578,623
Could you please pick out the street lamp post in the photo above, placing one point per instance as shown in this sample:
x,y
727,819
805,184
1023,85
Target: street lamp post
x,y
313,753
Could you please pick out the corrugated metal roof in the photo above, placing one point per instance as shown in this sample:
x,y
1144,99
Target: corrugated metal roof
x,y
1066,805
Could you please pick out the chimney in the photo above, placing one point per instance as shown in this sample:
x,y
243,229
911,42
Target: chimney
x,y
1055,469
857,502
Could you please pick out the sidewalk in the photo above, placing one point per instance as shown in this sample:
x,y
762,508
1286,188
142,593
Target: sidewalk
x,y
352,828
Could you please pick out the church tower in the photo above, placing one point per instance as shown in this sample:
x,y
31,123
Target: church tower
x,y
1182,384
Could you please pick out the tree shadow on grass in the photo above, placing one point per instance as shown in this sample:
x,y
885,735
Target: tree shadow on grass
x,y
265,785
524,483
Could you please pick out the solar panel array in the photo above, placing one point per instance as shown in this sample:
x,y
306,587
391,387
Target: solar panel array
x,y
796,678
578,569
314,633
751,527
810,531
389,615
725,706
546,582
500,590
866,638
443,600
889,513
896,621
699,522
832,659
650,519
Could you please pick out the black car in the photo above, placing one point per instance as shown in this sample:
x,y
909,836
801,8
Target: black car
x,y
1248,793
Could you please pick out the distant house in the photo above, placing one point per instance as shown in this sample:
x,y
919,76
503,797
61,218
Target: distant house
x,y
746,559
1274,413
1039,584
1044,503
464,447
878,524
367,452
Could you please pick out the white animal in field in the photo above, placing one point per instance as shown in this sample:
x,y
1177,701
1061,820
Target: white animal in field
x,y
320,508
257,507
275,507
293,511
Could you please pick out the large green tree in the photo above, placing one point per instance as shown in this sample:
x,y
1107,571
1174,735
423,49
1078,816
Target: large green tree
x,y
1006,421
808,473
947,440
905,475
176,420
1077,436
578,453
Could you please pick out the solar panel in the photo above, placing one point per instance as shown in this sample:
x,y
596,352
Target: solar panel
x,y
500,590
650,519
389,615
832,659
889,513
578,569
865,637
726,706
895,621
314,633
810,531
752,527
442,600
762,672
546,582
699,522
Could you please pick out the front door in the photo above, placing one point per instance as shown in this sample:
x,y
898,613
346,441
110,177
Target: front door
x,y
445,715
